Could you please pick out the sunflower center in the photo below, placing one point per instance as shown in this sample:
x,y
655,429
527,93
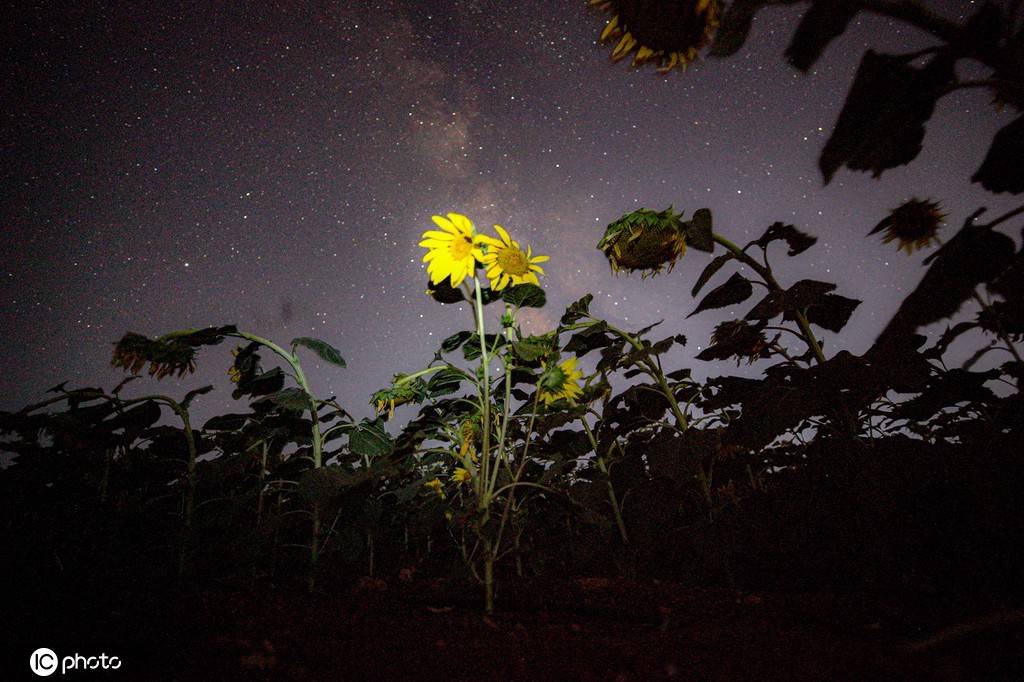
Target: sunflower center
x,y
513,261
461,247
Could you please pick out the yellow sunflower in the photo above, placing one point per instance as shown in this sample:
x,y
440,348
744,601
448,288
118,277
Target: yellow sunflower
x,y
507,263
913,225
453,252
560,381
461,475
669,33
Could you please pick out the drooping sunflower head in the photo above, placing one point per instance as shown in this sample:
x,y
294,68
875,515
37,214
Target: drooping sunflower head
x,y
560,381
914,225
165,357
644,241
507,263
669,33
400,392
452,253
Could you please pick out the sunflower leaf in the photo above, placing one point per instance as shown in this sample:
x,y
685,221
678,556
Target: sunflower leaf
x,y
735,290
831,312
975,255
577,310
191,395
532,348
369,439
525,296
698,231
881,125
735,26
444,292
797,241
588,339
454,341
261,384
324,350
709,271
823,22
1002,171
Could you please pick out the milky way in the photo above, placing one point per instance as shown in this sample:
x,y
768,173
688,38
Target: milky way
x,y
172,165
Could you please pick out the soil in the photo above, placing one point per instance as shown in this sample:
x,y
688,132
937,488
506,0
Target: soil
x,y
580,629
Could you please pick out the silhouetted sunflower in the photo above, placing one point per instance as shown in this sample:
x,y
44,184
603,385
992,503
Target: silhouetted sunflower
x,y
914,225
644,241
669,33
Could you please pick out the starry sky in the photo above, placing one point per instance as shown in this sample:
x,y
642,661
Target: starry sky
x,y
272,165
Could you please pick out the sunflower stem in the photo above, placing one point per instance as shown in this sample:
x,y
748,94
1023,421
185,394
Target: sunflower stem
x,y
766,274
485,394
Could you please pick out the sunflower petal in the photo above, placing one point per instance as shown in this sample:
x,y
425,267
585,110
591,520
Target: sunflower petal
x,y
609,28
503,234
461,222
444,224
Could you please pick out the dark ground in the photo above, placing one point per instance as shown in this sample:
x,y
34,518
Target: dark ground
x,y
582,629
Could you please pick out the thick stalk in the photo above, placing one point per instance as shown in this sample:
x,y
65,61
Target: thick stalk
x,y
483,496
769,279
488,578
317,443
602,465
188,508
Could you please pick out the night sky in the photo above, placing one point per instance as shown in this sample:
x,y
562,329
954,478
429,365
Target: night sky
x,y
183,164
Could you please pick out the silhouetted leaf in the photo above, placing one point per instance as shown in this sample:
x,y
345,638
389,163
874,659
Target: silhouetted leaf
x,y
135,419
804,293
226,422
261,384
589,338
982,34
444,292
525,296
735,26
882,122
324,350
735,290
975,255
577,310
190,396
698,231
797,241
830,312
1009,71
709,271
823,22
1002,170
947,389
